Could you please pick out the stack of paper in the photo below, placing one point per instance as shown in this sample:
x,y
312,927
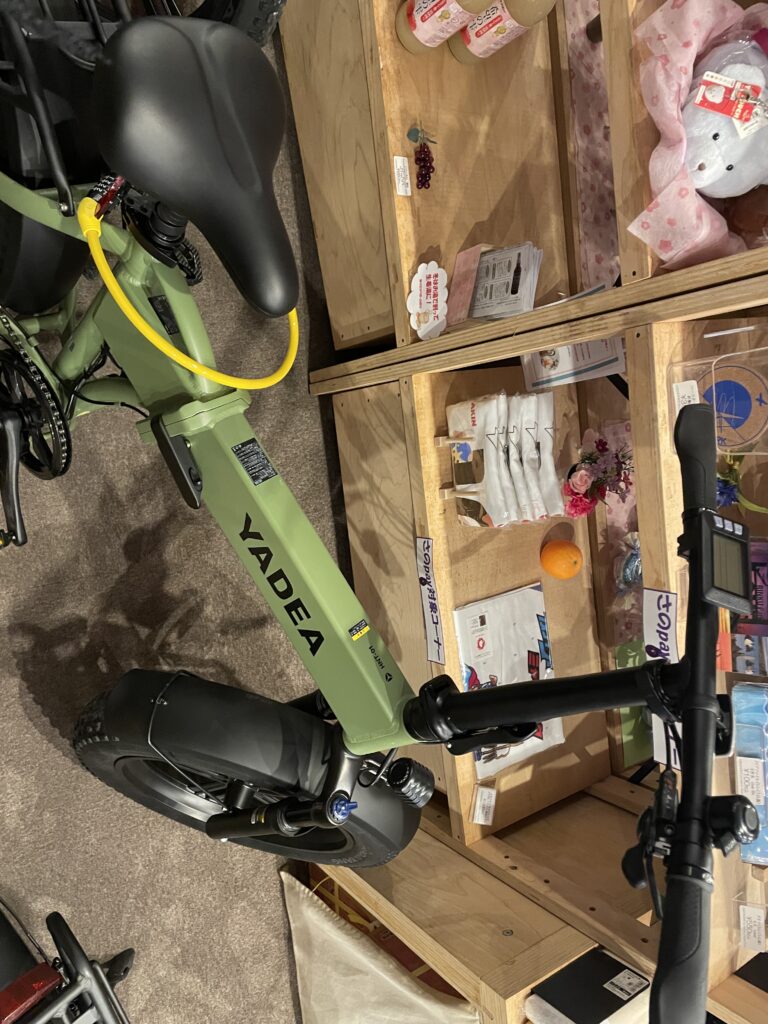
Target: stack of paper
x,y
502,640
506,281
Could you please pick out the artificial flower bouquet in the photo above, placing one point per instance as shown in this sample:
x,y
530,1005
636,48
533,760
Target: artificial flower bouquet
x,y
600,469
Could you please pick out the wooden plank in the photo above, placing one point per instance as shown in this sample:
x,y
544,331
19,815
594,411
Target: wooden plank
x,y
442,764
485,136
389,201
333,121
563,841
623,794
459,771
735,1001
566,141
633,133
703,277
593,916
601,403
729,298
481,936
374,462
474,563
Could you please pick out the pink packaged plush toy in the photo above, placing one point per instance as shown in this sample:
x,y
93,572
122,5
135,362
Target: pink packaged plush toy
x,y
727,151
706,87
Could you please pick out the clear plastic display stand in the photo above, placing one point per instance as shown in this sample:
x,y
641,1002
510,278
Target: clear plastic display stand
x,y
736,385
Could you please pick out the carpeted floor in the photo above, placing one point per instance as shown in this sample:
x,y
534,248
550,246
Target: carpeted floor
x,y
118,573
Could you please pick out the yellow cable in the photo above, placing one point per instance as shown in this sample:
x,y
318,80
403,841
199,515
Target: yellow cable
x,y
90,225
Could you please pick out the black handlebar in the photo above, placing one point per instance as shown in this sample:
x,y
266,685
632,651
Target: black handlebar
x,y
679,991
695,444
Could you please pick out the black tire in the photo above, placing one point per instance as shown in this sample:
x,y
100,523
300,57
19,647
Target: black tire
x,y
215,734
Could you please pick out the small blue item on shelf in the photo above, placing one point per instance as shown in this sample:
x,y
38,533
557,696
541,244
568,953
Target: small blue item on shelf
x,y
750,709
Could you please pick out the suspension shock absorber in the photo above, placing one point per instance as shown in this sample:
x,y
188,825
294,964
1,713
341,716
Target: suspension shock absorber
x,y
411,781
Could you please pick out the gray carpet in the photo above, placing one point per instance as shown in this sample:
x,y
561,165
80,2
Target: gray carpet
x,y
118,573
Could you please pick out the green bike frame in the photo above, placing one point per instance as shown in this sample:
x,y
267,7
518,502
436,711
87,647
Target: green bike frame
x,y
243,491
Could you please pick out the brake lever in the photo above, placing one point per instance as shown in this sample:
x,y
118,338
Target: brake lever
x,y
10,460
655,830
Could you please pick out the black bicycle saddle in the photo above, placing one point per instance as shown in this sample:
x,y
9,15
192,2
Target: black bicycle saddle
x,y
192,112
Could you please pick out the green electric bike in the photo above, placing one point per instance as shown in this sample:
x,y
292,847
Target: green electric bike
x,y
178,119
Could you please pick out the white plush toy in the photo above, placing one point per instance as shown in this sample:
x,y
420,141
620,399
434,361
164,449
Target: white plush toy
x,y
721,162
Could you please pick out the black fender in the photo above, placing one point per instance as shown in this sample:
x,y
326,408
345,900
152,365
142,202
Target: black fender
x,y
272,745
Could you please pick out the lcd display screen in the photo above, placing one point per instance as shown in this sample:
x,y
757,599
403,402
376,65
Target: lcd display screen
x,y
728,568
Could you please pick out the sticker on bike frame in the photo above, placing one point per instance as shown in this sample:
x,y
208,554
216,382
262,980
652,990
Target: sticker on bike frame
x,y
162,308
359,629
254,461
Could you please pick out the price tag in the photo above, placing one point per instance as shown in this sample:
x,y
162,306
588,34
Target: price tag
x,y
752,921
402,176
484,805
734,99
686,392
750,771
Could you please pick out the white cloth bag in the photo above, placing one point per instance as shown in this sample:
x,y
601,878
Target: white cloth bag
x,y
344,978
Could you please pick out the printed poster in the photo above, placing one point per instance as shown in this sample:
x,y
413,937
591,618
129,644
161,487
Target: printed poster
x,y
505,640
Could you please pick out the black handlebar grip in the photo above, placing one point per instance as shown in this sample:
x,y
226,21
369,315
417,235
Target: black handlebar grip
x,y
695,444
679,990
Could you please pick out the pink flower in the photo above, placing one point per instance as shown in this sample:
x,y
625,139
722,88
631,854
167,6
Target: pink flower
x,y
581,481
579,506
568,492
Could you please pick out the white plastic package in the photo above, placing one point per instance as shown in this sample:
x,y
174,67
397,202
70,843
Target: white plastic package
x,y
515,457
530,435
476,422
507,484
551,491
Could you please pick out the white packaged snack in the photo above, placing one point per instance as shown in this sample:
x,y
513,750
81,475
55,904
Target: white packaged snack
x,y
530,433
507,485
476,424
515,455
551,490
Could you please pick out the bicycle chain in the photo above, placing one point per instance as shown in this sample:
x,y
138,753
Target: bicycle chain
x,y
9,335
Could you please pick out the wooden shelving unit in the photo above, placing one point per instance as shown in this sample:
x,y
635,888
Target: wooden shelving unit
x,y
389,406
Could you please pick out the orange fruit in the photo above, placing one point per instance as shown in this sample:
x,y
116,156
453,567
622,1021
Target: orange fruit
x,y
561,559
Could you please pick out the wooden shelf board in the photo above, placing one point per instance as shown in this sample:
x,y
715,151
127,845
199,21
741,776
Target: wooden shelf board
x,y
482,937
563,839
338,163
586,911
664,290
735,1001
696,305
